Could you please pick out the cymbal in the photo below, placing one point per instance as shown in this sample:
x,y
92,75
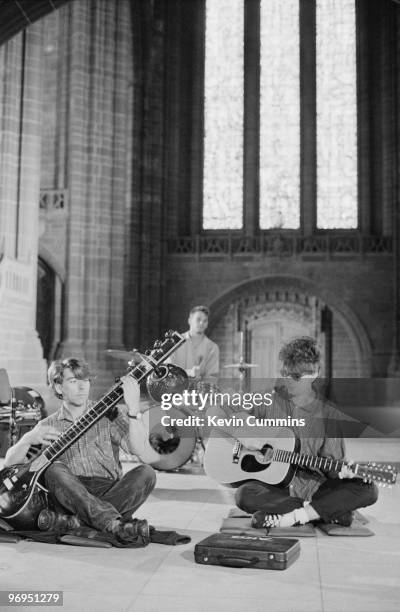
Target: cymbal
x,y
242,365
133,355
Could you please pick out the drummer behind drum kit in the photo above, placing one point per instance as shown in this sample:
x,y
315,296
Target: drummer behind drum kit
x,y
20,409
175,445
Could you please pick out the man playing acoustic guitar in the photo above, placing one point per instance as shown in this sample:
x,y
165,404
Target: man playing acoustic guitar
x,y
312,495
87,479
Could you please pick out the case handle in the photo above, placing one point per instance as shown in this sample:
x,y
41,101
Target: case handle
x,y
237,561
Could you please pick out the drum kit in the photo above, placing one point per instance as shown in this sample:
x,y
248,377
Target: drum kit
x,y
20,410
175,445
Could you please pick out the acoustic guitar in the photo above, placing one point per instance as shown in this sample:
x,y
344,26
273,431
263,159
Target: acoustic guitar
x,y
22,496
227,461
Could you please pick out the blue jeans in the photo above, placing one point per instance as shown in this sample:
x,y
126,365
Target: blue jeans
x,y
98,501
334,498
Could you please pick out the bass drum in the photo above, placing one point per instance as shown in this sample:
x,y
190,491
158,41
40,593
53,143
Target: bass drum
x,y
174,444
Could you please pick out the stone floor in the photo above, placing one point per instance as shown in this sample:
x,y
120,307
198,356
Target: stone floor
x,y
333,574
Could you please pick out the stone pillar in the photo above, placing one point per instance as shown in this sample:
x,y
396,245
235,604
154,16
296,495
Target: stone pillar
x,y
20,108
251,135
308,118
145,270
394,365
94,116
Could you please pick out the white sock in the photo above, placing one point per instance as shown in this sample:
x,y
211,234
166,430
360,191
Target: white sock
x,y
291,518
311,513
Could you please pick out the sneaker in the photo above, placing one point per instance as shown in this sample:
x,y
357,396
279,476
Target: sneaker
x,y
262,519
48,520
132,531
345,520
291,519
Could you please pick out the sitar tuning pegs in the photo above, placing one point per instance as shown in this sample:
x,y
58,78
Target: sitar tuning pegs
x,y
169,333
157,344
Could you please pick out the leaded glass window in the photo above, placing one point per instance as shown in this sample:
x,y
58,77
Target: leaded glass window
x,y
223,115
279,115
336,115
280,99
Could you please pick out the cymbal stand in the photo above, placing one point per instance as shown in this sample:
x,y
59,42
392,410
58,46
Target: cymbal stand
x,y
242,366
242,369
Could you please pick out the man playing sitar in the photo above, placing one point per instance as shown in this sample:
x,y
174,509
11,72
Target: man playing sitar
x,y
86,479
314,494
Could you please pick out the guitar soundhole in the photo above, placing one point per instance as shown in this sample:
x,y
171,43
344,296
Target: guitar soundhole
x,y
165,445
250,464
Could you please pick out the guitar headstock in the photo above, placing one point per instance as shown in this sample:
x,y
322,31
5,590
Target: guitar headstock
x,y
383,475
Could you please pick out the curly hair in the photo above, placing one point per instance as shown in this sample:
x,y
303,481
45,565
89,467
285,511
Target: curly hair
x,y
300,355
55,373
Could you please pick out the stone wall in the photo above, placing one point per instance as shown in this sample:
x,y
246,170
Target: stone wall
x,y
359,291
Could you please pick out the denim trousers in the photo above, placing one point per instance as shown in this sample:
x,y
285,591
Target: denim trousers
x,y
332,499
98,501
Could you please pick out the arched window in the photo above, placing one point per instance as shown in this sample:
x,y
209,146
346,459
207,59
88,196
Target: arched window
x,y
223,115
336,115
279,115
287,86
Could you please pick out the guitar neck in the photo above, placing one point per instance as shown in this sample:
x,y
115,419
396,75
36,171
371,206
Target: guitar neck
x,y
114,395
309,461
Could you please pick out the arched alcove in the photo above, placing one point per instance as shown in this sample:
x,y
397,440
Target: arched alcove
x,y
294,305
48,308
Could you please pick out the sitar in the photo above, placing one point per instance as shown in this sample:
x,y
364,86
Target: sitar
x,y
229,462
22,496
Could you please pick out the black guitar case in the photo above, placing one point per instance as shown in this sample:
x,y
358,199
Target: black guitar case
x,y
240,550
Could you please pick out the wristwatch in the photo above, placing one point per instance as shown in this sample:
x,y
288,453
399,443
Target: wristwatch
x,y
137,416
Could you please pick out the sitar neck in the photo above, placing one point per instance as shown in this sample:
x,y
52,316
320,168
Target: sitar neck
x,y
95,412
159,354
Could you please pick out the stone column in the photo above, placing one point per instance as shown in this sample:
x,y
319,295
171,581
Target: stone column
x,y
394,365
98,111
20,108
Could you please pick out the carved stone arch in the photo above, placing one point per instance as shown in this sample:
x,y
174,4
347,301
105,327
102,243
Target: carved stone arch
x,y
303,294
52,261
49,301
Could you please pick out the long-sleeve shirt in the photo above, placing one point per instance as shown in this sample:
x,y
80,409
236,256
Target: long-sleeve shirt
x,y
321,436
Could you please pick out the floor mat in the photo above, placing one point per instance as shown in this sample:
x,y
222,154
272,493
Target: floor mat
x,y
239,521
356,529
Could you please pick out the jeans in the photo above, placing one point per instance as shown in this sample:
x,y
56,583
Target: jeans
x,y
333,498
98,501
